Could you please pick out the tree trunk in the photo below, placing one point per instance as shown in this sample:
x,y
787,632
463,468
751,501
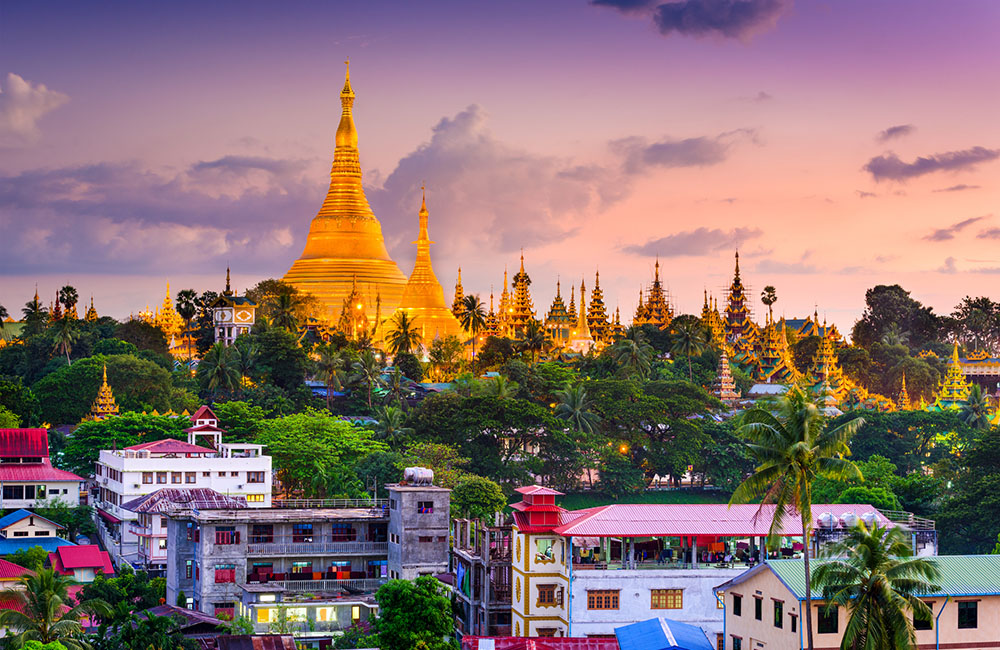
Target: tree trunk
x,y
806,524
690,374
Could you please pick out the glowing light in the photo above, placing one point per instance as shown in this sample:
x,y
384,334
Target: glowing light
x,y
623,449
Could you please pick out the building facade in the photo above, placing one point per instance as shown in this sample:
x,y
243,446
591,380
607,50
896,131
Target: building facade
x,y
418,530
481,561
27,474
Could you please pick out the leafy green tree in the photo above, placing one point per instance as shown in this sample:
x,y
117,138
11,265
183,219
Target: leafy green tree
x,y
240,420
880,497
143,336
329,368
875,577
311,444
724,460
83,449
68,297
793,446
66,335
148,632
620,477
574,407
911,440
445,461
281,360
378,469
976,411
368,370
111,346
78,519
36,317
532,340
32,557
46,613
220,369
409,365
403,337
127,592
38,645
187,308
498,387
971,512
473,320
246,363
391,425
495,352
414,614
889,307
477,498
633,354
9,420
446,356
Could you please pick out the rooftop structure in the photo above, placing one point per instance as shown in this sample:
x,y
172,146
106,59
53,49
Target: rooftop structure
x,y
481,557
82,562
232,315
27,474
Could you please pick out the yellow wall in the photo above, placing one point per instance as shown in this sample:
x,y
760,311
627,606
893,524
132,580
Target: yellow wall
x,y
531,569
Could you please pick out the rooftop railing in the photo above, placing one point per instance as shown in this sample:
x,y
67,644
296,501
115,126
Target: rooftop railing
x,y
381,504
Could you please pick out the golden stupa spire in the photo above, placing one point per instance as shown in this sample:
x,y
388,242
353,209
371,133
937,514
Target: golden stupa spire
x,y
903,402
104,404
458,304
580,339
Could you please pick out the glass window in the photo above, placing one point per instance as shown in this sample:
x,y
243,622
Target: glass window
x,y
264,614
261,533
175,477
344,533
602,599
720,599
161,477
226,535
545,548
255,477
147,477
190,477
666,599
425,507
925,623
302,533
968,615
302,567
225,573
737,605
827,622
779,614
546,594
255,498
795,622
758,608
737,643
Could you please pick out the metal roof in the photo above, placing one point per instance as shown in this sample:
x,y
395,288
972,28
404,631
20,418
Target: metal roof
x,y
662,634
166,498
37,472
171,446
656,520
537,489
20,515
961,575
24,442
11,571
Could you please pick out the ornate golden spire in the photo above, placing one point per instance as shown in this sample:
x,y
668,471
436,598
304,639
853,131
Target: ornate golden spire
x,y
457,306
91,315
104,404
903,402
580,339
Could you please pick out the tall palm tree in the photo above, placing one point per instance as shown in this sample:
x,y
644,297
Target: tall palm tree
x,y
283,311
876,578
329,365
47,614
391,424
403,336
574,407
221,368
473,320
368,370
769,296
976,411
66,336
68,297
36,316
793,446
248,354
633,355
499,387
690,341
533,339
187,307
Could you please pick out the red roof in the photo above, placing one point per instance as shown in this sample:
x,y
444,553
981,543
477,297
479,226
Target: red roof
x,y
85,556
170,446
24,442
537,489
9,570
30,472
648,520
11,602
203,427
204,413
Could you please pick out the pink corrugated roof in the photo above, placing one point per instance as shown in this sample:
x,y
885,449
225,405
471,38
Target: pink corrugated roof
x,y
24,442
204,413
537,489
649,520
85,556
9,570
169,446
35,472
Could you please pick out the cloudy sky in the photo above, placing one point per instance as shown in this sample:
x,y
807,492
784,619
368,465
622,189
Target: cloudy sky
x,y
838,144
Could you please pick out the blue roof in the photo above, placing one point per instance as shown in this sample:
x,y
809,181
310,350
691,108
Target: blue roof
x,y
662,634
18,515
49,544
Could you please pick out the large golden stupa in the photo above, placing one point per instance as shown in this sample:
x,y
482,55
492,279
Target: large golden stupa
x,y
345,241
423,297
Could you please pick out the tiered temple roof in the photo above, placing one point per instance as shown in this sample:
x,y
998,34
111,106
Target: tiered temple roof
x,y
104,405
580,339
522,308
492,327
724,387
712,322
903,401
91,315
617,330
738,323
657,310
825,368
505,310
953,391
457,306
597,314
774,363
558,321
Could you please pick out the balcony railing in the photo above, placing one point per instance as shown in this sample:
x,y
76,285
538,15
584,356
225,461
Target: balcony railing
x,y
355,585
381,504
317,548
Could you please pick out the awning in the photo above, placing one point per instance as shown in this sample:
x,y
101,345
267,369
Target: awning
x,y
108,517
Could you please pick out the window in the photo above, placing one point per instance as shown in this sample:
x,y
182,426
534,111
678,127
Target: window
x,y
392,504
343,533
737,605
42,533
264,614
758,608
222,474
302,533
207,474
20,533
162,544
262,569
720,599
779,614
13,492
544,550
234,474
968,615
188,569
226,535
161,477
827,623
255,477
425,507
190,477
666,599
225,573
147,477
795,622
261,533
923,623
546,594
175,477
255,498
737,643
425,539
302,567
602,599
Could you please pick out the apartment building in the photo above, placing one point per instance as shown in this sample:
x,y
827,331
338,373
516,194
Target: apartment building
x,y
27,474
763,607
481,562
125,475
586,572
310,567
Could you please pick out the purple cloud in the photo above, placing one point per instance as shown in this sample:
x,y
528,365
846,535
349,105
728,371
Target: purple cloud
x,y
894,132
640,155
890,167
739,19
944,234
961,187
702,241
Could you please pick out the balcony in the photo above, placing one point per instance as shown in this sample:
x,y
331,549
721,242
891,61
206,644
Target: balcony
x,y
352,585
317,548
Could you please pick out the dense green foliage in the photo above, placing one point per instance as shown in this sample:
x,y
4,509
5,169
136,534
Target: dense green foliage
x,y
414,614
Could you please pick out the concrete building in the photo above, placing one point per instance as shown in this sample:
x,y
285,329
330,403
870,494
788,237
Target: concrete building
x,y
586,572
763,607
27,475
418,530
481,561
122,476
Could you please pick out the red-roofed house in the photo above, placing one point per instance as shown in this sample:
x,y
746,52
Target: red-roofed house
x,y
27,474
82,562
124,475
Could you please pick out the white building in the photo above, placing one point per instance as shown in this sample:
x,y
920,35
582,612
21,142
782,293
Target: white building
x,y
26,472
238,470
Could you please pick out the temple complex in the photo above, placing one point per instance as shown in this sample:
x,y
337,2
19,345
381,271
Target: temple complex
x,y
597,314
104,404
558,322
656,310
423,297
738,323
91,315
521,309
345,251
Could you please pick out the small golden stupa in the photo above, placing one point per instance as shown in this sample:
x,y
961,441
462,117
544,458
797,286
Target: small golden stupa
x,y
345,239
104,405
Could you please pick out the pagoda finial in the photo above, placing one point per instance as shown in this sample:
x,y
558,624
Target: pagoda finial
x,y
423,200
522,260
558,293
954,354
597,280
36,292
229,290
737,262
104,379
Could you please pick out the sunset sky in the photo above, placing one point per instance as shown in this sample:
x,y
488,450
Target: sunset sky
x,y
838,144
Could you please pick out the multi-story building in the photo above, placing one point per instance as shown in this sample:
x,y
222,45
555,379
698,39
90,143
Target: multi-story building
x,y
27,474
311,569
763,607
124,475
481,561
586,572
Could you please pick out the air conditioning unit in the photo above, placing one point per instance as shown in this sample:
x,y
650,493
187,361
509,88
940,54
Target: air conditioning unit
x,y
239,487
135,486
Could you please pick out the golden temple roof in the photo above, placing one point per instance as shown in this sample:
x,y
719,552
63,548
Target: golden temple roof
x,y
104,404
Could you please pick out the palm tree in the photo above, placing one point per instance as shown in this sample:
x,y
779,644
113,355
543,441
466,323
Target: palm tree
x,y
876,578
473,320
793,446
369,371
633,354
574,407
329,366
35,316
499,387
283,311
690,341
895,336
976,410
221,368
769,296
187,307
66,336
47,614
68,296
391,420
532,339
403,336
248,352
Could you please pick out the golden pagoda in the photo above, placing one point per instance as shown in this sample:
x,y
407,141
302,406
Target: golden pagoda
x,y
953,391
825,368
55,309
597,314
617,330
580,339
903,401
457,305
774,364
423,297
345,243
572,303
504,310
640,311
558,321
167,319
104,405
354,321
724,387
91,315
712,323
522,310
738,323
492,327
657,310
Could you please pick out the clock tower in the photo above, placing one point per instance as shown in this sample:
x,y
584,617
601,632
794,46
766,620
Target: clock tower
x,y
232,315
